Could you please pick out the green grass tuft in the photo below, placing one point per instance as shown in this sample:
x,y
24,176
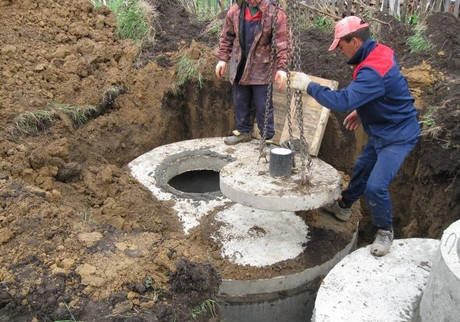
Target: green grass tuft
x,y
417,42
207,307
214,27
31,123
135,19
78,115
324,23
131,21
427,118
187,70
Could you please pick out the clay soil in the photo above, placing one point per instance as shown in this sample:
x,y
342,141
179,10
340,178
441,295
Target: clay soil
x,y
81,239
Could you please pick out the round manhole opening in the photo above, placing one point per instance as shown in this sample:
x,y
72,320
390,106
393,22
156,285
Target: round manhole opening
x,y
196,181
192,174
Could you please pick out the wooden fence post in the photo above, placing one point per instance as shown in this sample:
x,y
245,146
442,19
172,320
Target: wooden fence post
x,y
438,5
384,6
422,6
394,7
404,10
446,5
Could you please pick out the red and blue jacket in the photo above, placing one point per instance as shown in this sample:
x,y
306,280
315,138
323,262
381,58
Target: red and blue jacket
x,y
379,93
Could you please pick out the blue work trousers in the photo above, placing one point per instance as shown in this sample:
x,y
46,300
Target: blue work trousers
x,y
372,174
249,97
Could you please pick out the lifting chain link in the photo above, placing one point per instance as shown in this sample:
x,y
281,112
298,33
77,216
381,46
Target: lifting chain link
x,y
262,149
294,14
290,64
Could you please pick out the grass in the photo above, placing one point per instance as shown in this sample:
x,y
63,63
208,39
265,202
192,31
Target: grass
x,y
72,318
208,307
427,118
206,14
324,23
135,19
417,42
432,129
413,19
187,70
214,27
203,9
32,122
78,115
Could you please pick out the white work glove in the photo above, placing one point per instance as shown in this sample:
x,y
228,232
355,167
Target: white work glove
x,y
352,121
299,81
281,78
220,68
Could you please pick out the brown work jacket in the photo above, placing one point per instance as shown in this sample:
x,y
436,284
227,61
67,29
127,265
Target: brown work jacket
x,y
257,68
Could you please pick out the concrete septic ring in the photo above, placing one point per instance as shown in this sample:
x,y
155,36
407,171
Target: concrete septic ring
x,y
250,236
441,298
362,287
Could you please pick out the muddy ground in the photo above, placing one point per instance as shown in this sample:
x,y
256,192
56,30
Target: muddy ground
x,y
81,239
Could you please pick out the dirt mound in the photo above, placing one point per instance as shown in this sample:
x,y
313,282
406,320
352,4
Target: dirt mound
x,y
78,235
92,232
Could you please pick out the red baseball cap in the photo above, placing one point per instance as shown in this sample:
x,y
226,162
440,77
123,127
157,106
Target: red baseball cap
x,y
345,27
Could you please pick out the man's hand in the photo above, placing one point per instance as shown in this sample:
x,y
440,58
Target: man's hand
x,y
281,78
299,81
352,121
220,68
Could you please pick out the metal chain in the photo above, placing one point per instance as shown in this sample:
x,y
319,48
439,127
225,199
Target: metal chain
x,y
262,150
290,67
306,162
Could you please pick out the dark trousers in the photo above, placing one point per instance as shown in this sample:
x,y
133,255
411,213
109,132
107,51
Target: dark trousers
x,y
372,174
249,97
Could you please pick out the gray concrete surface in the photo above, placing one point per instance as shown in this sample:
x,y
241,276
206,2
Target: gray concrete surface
x,y
362,287
441,297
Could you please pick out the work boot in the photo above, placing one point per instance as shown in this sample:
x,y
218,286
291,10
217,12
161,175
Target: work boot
x,y
382,242
237,137
342,214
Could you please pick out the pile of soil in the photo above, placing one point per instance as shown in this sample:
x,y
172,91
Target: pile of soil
x,y
80,237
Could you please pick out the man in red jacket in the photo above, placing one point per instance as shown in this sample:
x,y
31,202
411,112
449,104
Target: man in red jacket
x,y
246,45
378,98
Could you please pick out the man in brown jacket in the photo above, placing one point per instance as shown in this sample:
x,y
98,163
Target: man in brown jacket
x,y
246,45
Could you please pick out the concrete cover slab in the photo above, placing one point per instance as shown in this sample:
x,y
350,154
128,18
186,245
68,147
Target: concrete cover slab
x,y
259,237
249,182
362,287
